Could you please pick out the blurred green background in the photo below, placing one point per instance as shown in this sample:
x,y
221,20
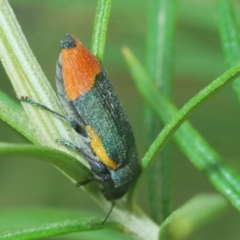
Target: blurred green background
x,y
198,60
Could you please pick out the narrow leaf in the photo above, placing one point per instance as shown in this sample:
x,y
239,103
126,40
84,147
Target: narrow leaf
x,y
100,28
196,213
43,223
229,33
67,164
13,114
188,139
160,37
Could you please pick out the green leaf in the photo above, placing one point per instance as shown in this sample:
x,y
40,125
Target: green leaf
x,y
229,34
160,38
196,213
100,28
13,114
157,100
188,139
67,164
42,223
161,31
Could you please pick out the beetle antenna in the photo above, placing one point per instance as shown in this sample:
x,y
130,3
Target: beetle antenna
x,y
105,219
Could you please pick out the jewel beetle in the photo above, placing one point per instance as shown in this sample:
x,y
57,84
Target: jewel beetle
x,y
104,135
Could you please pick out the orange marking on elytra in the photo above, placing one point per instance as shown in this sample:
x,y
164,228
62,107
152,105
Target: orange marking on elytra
x,y
80,68
99,149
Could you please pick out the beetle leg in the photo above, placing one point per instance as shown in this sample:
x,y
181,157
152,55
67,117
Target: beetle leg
x,y
92,179
80,184
74,124
112,206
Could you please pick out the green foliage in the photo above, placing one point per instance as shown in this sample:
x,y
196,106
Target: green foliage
x,y
154,83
